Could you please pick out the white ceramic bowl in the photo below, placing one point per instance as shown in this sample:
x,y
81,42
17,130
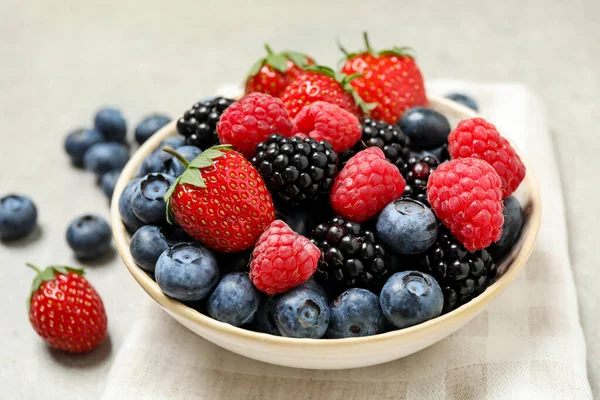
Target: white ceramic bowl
x,y
332,353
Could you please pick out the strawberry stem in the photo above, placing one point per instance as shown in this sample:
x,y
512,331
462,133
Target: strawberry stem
x,y
367,44
178,156
268,49
342,48
36,269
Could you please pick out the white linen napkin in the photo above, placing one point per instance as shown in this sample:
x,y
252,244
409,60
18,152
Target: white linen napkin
x,y
527,345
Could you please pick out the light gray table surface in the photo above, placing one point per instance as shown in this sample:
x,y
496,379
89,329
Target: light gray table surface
x,y
60,60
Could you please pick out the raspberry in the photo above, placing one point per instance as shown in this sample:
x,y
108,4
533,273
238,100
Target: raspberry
x,y
466,194
478,138
282,259
366,185
251,120
329,122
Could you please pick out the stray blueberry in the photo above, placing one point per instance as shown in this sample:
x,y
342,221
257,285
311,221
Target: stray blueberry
x,y
464,100
18,217
148,203
189,153
235,300
103,157
89,237
301,313
513,222
111,124
425,127
355,313
149,126
79,141
109,180
146,246
132,223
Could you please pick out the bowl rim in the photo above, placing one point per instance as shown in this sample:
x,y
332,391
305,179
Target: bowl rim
x,y
464,312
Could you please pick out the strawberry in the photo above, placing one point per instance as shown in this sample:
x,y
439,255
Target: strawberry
x,y
321,83
272,74
65,310
390,79
220,200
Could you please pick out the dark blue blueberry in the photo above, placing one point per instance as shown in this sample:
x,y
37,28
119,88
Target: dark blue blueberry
x,y
426,128
299,219
18,217
103,157
89,237
148,203
513,222
157,162
111,124
149,126
173,142
263,319
189,153
146,246
464,100
355,313
235,300
79,141
312,284
234,262
407,226
411,297
130,220
109,180
174,234
187,272
301,313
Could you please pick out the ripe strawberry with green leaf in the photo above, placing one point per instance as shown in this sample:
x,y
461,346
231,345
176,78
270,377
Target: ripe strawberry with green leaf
x,y
390,79
65,310
273,73
220,200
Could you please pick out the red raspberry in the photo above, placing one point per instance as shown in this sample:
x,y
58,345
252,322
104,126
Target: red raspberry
x,y
466,194
282,259
326,121
251,120
365,185
478,138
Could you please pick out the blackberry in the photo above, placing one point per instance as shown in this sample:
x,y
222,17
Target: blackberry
x,y
199,123
416,173
350,256
463,275
296,169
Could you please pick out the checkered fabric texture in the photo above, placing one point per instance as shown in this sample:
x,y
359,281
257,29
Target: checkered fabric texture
x,y
527,345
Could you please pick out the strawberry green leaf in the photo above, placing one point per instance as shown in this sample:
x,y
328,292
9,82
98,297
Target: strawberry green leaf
x,y
277,61
193,177
201,163
256,67
297,58
322,69
399,51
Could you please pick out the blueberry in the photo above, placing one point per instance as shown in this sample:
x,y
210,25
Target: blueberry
x,y
132,222
301,313
187,272
426,128
89,237
355,313
157,162
407,226
234,262
411,297
464,100
173,142
18,217
79,141
148,203
189,153
174,234
300,220
513,222
312,284
263,319
149,126
103,157
109,180
146,246
235,300
111,124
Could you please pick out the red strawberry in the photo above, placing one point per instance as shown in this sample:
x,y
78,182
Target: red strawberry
x,y
321,83
220,200
282,259
65,310
273,73
390,79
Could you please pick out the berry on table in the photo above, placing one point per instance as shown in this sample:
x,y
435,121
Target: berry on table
x,y
146,246
89,236
199,124
513,222
282,259
251,120
301,313
187,272
426,128
189,153
18,217
110,122
365,185
109,181
410,298
65,310
464,100
103,157
466,195
296,169
234,300
149,126
148,203
355,313
407,226
79,141
130,220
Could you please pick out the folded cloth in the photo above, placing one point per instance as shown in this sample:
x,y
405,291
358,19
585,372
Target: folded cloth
x,y
527,345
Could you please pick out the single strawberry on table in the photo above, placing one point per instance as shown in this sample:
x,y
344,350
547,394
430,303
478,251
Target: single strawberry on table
x,y
390,79
220,200
65,310
273,73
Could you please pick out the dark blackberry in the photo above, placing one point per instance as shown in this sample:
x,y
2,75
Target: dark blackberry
x,y
296,169
416,174
199,123
350,256
463,275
